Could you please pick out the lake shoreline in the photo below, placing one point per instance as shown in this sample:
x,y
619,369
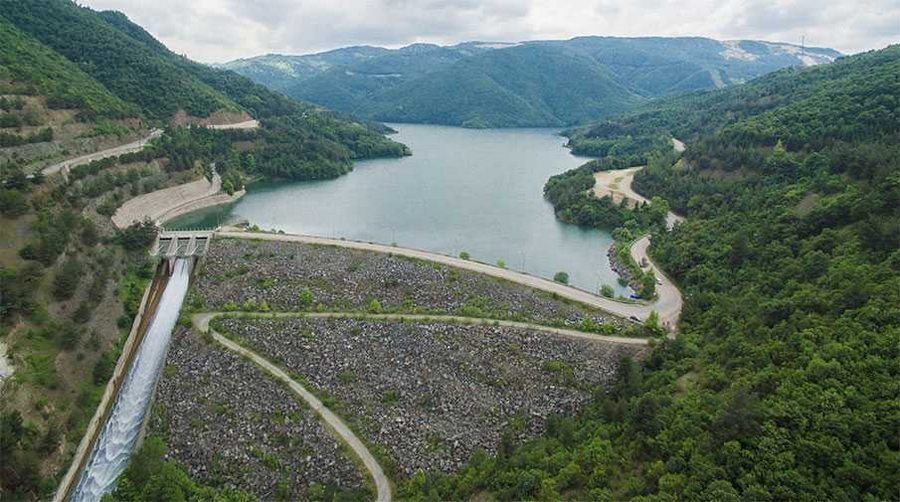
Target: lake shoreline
x,y
478,191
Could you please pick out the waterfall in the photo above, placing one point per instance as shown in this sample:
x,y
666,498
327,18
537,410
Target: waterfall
x,y
119,435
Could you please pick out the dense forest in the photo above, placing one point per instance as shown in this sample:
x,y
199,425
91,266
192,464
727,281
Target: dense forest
x,y
782,383
65,85
122,65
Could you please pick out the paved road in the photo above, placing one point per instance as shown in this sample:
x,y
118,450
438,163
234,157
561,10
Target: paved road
x,y
134,146
382,484
669,302
638,311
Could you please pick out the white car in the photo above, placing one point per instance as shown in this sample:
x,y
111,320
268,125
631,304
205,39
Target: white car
x,y
659,281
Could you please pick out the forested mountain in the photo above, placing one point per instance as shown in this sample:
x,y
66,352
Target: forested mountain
x,y
782,383
546,83
131,65
122,65
26,60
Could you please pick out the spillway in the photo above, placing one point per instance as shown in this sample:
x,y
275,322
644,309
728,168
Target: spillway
x,y
118,437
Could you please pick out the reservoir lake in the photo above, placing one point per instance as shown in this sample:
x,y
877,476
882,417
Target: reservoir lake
x,y
473,190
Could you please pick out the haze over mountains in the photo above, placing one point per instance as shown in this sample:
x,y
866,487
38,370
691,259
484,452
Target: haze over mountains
x,y
540,83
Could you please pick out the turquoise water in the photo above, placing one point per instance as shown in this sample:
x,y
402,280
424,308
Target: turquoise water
x,y
479,191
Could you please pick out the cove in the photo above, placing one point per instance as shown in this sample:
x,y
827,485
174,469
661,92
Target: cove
x,y
473,190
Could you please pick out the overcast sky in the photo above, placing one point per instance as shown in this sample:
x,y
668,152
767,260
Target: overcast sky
x,y
221,30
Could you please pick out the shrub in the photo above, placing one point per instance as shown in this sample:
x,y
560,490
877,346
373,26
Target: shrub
x,y
347,375
561,277
69,336
587,324
89,235
138,235
83,313
12,202
66,280
607,291
305,298
464,255
648,285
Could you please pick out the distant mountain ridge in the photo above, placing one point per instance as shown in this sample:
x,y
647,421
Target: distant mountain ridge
x,y
536,83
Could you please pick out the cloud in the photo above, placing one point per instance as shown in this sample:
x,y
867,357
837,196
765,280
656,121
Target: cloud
x,y
221,30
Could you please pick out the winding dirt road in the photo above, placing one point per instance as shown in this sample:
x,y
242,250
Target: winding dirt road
x,y
134,146
248,124
382,484
568,333
617,184
634,311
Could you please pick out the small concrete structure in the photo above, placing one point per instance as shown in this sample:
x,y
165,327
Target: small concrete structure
x,y
173,244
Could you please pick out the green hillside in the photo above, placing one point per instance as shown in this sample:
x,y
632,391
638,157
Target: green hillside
x,y
689,116
255,98
280,73
138,69
124,66
540,83
782,383
28,62
520,86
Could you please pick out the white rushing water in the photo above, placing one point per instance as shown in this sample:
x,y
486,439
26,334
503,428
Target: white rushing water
x,y
117,439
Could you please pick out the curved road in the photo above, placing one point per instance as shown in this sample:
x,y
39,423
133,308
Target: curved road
x,y
134,146
382,484
640,311
618,182
668,303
